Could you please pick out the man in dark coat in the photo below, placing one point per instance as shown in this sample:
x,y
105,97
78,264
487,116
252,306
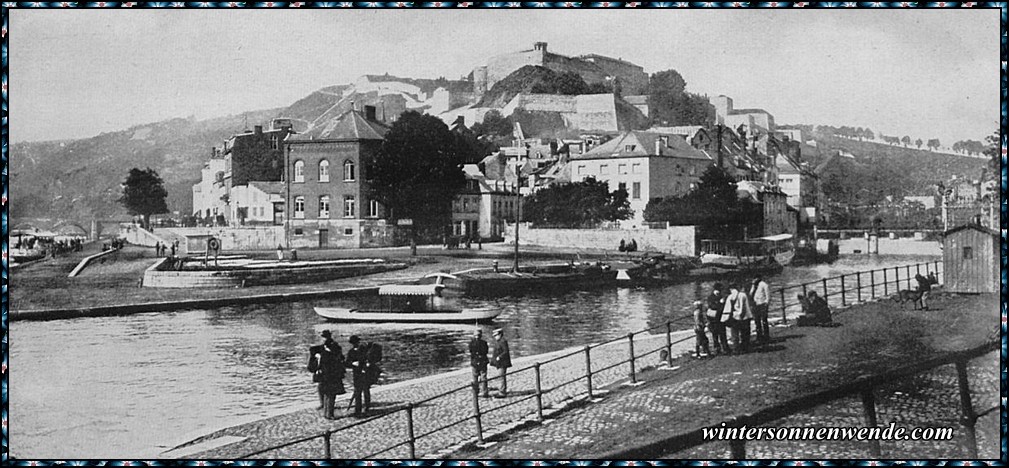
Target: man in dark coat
x,y
478,360
357,361
331,379
502,359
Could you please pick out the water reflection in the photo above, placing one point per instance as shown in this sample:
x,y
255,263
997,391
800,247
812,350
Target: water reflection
x,y
118,387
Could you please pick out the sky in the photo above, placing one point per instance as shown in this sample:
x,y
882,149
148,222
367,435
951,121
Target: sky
x,y
922,73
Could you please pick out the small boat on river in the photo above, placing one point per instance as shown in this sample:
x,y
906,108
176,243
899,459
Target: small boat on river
x,y
748,254
402,303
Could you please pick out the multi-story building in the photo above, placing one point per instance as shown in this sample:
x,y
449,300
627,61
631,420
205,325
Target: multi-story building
x,y
484,206
326,184
647,165
208,194
752,119
258,203
254,156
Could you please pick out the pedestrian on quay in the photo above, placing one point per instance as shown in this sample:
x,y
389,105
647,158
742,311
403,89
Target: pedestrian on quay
x,y
331,377
173,250
314,353
760,293
737,305
280,253
357,361
502,359
925,286
716,306
700,323
157,249
478,360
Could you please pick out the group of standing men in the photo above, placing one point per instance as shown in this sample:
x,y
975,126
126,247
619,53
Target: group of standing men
x,y
733,309
162,250
328,364
501,359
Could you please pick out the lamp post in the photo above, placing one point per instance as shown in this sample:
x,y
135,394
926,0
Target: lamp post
x,y
518,218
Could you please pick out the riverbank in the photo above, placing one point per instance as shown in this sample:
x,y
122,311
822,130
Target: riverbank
x,y
871,338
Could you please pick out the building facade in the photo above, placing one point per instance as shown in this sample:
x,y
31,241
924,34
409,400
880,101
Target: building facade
x,y
326,187
208,194
485,206
647,165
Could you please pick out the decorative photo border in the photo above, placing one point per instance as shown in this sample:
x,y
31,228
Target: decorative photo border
x,y
6,6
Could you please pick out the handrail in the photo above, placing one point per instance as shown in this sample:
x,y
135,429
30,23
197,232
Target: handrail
x,y
587,376
802,403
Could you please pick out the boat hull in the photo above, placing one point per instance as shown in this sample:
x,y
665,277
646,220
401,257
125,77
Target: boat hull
x,y
338,314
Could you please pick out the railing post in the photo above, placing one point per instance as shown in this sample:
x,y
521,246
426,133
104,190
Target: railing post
x,y
872,283
476,412
804,293
858,285
784,318
825,293
896,279
917,268
669,342
869,414
843,300
886,287
937,271
409,431
539,392
630,349
327,445
968,418
588,368
909,277
737,449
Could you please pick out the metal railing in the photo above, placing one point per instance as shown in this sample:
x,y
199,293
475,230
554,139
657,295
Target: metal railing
x,y
853,288
864,387
599,368
552,380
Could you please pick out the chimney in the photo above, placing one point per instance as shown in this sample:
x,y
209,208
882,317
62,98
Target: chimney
x,y
369,112
258,129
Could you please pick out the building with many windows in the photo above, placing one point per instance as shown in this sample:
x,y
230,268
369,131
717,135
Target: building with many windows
x,y
326,188
484,206
648,165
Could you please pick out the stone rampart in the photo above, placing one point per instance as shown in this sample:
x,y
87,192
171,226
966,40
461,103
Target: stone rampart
x,y
674,240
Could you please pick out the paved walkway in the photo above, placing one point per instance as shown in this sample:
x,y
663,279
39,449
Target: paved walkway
x,y
691,394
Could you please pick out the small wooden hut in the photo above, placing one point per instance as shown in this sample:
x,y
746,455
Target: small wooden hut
x,y
970,256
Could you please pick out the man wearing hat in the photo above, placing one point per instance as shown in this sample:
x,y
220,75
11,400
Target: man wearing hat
x,y
314,354
478,360
357,360
502,360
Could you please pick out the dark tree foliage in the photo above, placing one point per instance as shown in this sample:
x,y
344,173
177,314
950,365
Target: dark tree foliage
x,y
576,205
144,194
713,203
670,104
994,151
417,172
569,83
494,125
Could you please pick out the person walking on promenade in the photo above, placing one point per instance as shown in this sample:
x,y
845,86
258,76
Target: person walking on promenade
x,y
925,286
331,377
478,360
700,323
738,306
716,304
357,361
760,292
502,359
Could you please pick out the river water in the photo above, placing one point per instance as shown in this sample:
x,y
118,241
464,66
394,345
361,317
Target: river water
x,y
131,387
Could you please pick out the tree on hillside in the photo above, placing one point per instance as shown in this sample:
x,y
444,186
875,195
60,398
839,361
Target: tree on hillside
x,y
918,143
906,140
994,150
417,172
869,135
569,83
576,205
144,194
670,104
494,125
933,144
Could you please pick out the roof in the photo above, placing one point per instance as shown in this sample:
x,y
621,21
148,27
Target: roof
x,y
410,289
977,227
268,187
351,125
636,100
748,111
643,144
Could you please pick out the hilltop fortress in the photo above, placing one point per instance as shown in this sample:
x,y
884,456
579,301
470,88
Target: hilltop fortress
x,y
592,68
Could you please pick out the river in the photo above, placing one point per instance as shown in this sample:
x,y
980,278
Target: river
x,y
131,387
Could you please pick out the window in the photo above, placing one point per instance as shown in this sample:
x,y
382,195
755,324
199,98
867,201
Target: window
x,y
968,252
348,231
621,168
348,206
274,142
299,171
636,168
604,169
629,147
465,204
636,191
693,170
299,231
299,208
581,170
323,171
348,170
622,186
324,206
373,208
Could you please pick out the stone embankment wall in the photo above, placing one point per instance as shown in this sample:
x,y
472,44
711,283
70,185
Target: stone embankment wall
x,y
674,240
887,246
160,275
137,235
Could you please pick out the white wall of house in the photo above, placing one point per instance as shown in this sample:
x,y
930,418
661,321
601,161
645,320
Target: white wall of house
x,y
207,193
